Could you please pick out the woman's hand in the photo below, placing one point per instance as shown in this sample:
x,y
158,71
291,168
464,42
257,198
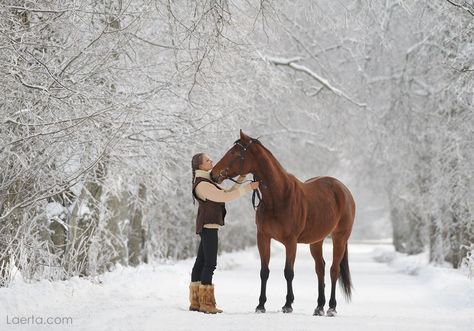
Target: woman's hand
x,y
254,185
241,178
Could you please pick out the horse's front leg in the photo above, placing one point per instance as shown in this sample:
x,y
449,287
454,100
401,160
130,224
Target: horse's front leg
x,y
289,274
263,243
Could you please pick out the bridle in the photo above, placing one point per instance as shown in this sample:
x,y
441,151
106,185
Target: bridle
x,y
223,173
243,149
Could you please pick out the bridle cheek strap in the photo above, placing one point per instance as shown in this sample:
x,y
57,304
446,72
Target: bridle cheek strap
x,y
256,193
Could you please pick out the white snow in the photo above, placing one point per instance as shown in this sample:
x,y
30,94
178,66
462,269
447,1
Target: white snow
x,y
399,293
54,209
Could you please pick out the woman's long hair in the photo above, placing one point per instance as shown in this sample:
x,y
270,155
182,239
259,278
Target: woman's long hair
x,y
195,163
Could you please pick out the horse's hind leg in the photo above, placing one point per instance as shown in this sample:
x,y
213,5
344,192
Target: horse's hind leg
x,y
339,253
317,253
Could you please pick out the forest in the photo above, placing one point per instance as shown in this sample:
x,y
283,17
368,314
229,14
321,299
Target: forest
x,y
103,104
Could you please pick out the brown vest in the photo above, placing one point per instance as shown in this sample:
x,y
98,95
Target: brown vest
x,y
209,212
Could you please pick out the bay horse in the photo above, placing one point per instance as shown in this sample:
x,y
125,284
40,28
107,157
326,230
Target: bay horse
x,y
294,212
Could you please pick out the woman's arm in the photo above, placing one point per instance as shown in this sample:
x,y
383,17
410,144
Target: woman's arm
x,y
207,191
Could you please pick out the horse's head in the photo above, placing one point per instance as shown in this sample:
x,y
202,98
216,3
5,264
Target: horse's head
x,y
238,160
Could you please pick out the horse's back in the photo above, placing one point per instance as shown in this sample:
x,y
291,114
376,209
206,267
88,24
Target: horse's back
x,y
313,179
322,182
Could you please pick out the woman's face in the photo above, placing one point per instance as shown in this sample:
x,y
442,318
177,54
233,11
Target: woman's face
x,y
206,164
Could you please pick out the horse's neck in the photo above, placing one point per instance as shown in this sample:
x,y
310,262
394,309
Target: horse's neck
x,y
274,178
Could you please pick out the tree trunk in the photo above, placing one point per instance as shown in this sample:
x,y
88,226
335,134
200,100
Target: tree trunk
x,y
119,211
407,226
83,226
136,238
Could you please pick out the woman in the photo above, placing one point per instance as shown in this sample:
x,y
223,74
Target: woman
x,y
210,218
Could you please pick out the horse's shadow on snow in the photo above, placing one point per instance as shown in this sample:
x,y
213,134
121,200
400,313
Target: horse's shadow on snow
x,y
237,313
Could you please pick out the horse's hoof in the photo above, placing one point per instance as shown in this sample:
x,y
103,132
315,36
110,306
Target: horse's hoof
x,y
319,311
331,312
260,310
287,309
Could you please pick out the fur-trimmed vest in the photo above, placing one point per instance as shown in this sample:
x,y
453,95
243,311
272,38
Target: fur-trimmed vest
x,y
209,212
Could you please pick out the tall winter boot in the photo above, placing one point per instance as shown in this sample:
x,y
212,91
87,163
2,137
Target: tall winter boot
x,y
207,301
194,296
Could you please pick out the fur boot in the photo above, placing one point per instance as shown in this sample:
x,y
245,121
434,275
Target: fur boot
x,y
194,296
207,301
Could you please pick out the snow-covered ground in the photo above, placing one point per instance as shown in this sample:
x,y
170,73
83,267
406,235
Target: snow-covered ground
x,y
392,292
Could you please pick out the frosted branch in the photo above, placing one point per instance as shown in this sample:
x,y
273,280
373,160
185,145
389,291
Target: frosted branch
x,y
291,62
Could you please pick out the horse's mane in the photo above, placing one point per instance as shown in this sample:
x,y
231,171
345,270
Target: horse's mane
x,y
277,163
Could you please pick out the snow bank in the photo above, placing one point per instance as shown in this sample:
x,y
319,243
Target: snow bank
x,y
444,281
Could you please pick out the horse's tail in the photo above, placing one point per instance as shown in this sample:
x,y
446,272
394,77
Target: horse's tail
x,y
345,276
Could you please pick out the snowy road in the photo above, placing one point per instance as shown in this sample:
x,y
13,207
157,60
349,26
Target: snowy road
x,y
154,297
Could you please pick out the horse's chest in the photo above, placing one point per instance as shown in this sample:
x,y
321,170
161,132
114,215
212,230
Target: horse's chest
x,y
279,227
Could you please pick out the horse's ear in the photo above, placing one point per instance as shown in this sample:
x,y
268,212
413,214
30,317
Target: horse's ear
x,y
243,137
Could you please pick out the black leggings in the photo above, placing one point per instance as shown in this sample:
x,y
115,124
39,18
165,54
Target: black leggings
x,y
206,259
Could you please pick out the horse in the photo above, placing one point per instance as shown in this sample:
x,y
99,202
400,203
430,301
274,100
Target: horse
x,y
291,212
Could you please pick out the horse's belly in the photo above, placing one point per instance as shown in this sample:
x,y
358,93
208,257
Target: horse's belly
x,y
314,232
309,239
